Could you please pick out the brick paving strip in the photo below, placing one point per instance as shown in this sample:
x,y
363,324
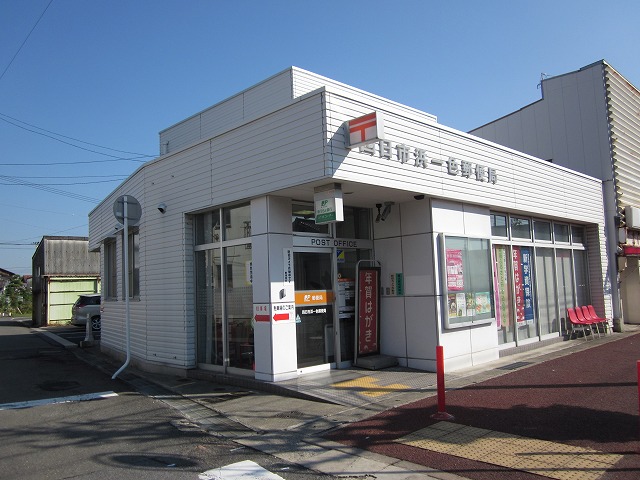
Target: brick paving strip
x,y
541,457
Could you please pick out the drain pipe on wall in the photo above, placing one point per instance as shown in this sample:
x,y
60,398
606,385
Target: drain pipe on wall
x,y
125,247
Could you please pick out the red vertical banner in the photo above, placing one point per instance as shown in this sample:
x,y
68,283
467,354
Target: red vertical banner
x,y
368,310
518,285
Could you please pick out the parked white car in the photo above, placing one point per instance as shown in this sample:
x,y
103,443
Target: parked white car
x,y
87,308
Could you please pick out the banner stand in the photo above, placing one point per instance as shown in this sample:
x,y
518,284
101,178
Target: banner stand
x,y
367,335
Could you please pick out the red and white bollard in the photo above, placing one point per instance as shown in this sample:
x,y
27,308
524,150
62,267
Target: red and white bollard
x,y
442,413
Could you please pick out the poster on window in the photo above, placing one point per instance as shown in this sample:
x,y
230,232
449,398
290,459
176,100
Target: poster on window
x,y
483,303
523,285
452,303
455,271
501,281
368,310
470,301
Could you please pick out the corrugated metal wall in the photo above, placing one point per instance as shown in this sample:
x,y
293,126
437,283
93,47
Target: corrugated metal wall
x,y
278,150
524,184
623,102
67,256
259,100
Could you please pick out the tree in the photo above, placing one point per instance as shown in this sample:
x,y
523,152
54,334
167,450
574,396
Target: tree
x,y
16,296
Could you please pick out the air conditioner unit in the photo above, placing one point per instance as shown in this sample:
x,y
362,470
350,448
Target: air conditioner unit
x,y
632,216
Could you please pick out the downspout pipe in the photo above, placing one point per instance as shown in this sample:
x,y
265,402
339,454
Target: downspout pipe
x,y
126,290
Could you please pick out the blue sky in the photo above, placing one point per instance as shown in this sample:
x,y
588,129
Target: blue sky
x,y
113,73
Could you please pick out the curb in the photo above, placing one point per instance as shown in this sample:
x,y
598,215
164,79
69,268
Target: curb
x,y
65,343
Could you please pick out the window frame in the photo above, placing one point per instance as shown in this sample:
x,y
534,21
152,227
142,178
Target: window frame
x,y
110,270
475,319
133,248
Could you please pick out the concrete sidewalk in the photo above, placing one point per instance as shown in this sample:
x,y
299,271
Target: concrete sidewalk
x,y
288,419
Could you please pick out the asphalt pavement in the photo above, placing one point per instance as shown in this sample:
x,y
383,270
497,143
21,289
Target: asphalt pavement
x,y
576,397
60,418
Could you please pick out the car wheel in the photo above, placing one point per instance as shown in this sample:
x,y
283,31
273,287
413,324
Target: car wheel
x,y
95,323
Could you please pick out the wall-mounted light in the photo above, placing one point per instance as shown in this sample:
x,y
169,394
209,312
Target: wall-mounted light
x,y
162,208
386,211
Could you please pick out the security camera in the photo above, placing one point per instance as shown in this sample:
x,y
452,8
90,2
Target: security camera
x,y
162,208
386,211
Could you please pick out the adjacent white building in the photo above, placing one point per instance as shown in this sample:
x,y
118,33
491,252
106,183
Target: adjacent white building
x,y
304,223
588,120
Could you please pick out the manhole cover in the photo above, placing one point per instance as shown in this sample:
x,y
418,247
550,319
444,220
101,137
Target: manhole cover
x,y
514,366
58,386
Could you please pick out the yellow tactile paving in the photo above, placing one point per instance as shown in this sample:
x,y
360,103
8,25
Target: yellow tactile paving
x,y
370,387
547,459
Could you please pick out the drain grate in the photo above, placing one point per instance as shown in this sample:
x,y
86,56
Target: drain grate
x,y
291,414
213,399
514,366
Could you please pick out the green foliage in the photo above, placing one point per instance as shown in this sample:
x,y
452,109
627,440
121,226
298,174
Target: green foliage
x,y
16,297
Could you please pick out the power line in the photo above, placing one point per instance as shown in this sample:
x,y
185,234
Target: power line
x,y
67,163
69,183
117,177
45,188
19,241
139,155
137,158
26,38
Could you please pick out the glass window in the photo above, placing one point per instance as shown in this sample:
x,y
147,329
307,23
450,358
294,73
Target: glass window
x,y
209,307
561,232
207,227
134,264
520,228
546,290
565,282
577,235
542,230
110,270
503,288
303,218
237,222
239,306
582,277
355,225
468,281
499,225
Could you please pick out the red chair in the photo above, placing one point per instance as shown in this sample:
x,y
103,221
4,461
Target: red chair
x,y
586,321
577,325
604,321
589,318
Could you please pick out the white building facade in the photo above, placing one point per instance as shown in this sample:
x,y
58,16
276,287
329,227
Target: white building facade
x,y
303,224
587,120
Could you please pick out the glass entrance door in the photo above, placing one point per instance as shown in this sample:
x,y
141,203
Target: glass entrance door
x,y
314,308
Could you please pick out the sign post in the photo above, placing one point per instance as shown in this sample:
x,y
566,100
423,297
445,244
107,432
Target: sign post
x,y
127,211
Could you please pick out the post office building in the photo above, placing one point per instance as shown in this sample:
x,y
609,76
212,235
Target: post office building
x,y
304,224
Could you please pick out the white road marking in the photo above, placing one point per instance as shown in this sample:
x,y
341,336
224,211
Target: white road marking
x,y
49,401
246,470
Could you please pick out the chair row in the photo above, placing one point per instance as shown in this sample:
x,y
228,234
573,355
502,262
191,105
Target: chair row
x,y
584,319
